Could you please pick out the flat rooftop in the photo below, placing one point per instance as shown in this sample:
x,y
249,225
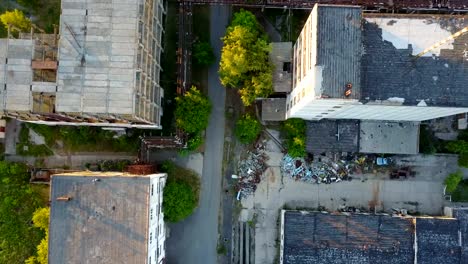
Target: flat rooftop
x,y
281,57
391,70
104,222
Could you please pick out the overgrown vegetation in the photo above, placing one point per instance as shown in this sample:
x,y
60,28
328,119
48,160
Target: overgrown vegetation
x,y
192,113
86,138
295,130
25,147
203,53
461,192
460,146
18,201
247,129
181,193
452,181
41,220
17,19
245,64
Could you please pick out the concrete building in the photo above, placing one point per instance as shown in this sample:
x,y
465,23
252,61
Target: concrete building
x,y
349,65
316,237
106,217
103,68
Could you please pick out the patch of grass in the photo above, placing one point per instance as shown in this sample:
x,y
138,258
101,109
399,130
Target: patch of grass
x,y
461,192
221,249
86,138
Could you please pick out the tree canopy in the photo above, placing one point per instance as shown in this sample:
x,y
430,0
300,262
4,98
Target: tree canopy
x,y
244,61
452,181
181,193
17,19
18,201
203,53
192,111
247,129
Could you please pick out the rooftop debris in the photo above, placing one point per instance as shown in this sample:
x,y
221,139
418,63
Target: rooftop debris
x,y
250,170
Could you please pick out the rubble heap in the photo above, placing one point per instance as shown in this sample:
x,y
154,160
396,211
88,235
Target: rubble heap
x,y
250,170
323,171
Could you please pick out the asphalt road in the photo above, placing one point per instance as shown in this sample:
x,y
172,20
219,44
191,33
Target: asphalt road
x,y
194,240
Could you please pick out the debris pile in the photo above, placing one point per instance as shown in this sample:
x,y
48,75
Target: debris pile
x,y
323,171
250,170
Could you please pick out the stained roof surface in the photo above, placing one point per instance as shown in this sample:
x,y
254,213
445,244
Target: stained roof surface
x,y
322,136
390,69
104,222
323,238
339,49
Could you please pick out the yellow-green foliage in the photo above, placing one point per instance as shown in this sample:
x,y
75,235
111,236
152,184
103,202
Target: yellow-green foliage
x,y
244,59
17,19
41,221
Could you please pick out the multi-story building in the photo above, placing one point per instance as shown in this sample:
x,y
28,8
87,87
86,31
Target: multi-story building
x,y
106,217
103,68
350,65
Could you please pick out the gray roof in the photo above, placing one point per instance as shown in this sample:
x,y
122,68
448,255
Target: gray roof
x,y
274,109
389,137
440,78
438,241
321,136
281,53
461,214
339,49
314,237
104,222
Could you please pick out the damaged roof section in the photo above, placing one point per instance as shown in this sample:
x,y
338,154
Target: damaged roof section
x,y
391,70
312,237
281,57
332,136
438,241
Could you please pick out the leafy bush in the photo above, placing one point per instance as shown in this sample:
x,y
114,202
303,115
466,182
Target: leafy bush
x,y
295,129
181,193
18,201
179,201
194,142
247,129
426,141
452,181
245,63
457,146
203,53
192,111
463,160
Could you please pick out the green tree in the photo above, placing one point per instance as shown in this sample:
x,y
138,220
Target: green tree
x,y
203,53
245,63
452,181
41,220
192,111
463,160
295,129
18,201
247,129
16,18
178,201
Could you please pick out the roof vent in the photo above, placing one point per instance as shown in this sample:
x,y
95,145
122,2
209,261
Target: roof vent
x,y
348,90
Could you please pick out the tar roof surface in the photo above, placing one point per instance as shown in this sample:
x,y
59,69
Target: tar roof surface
x,y
281,53
438,241
324,238
104,222
462,216
339,49
440,79
274,109
322,136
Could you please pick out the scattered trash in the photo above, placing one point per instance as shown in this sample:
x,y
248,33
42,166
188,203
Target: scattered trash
x,y
323,171
250,170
